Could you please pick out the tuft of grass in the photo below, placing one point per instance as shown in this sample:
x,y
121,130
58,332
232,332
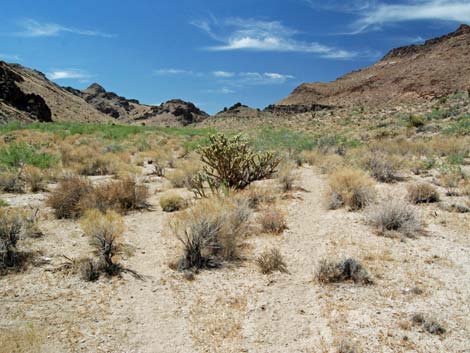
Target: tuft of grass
x,y
351,188
211,232
3,203
334,271
105,233
22,339
172,201
395,215
270,261
422,193
429,323
65,198
272,221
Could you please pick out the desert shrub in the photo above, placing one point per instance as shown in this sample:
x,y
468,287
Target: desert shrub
x,y
464,187
12,182
123,195
210,233
270,261
35,178
272,220
3,203
105,232
11,226
333,271
346,346
287,177
65,198
17,154
382,167
172,201
395,215
184,172
351,188
430,324
258,196
89,269
233,162
422,193
416,121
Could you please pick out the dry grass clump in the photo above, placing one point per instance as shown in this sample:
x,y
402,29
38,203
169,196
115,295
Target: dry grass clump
x,y
430,324
74,195
272,221
11,227
210,233
22,339
422,193
12,182
35,178
345,346
351,188
270,261
395,215
258,196
172,201
105,233
329,163
184,172
122,195
287,177
382,167
66,197
334,271
464,187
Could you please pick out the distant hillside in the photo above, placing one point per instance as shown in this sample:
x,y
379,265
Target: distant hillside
x,y
438,67
27,95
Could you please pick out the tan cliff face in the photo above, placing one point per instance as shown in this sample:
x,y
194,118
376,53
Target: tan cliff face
x,y
436,68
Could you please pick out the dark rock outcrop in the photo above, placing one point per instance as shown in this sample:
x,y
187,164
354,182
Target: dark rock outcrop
x,y
33,104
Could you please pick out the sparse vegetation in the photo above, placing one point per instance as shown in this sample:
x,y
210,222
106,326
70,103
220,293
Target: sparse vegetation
x,y
272,221
11,227
395,215
422,193
333,271
430,324
270,261
351,188
66,197
172,201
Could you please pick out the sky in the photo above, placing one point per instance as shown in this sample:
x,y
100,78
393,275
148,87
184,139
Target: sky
x,y
213,53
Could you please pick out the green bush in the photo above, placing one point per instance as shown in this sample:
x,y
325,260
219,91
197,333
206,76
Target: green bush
x,y
233,162
17,154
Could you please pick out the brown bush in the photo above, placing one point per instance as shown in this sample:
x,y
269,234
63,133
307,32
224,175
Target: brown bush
x,y
429,323
422,193
333,271
172,201
273,221
12,182
395,215
122,196
65,198
270,261
11,227
382,167
350,187
35,178
210,233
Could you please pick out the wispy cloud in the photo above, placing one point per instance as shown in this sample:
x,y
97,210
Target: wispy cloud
x,y
256,35
265,78
69,74
33,28
10,57
223,74
222,90
374,17
172,72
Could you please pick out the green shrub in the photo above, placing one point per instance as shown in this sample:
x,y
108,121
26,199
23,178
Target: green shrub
x,y
232,162
17,154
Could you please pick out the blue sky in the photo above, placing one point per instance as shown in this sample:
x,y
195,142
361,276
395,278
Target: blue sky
x,y
213,52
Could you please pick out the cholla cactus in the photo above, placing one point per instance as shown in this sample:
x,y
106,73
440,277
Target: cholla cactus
x,y
232,161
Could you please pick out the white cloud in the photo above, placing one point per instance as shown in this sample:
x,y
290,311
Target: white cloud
x,y
172,72
222,90
223,74
443,10
67,74
250,34
9,57
258,78
33,28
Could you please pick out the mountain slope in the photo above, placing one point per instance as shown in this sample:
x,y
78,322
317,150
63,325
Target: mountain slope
x,y
438,67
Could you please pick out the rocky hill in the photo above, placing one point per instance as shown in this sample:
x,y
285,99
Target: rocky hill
x,y
438,67
28,95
